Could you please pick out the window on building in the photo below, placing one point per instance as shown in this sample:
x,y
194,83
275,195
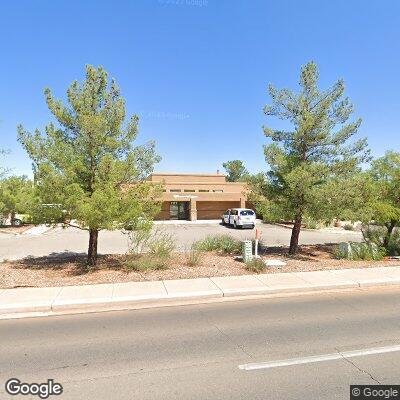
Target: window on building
x,y
218,191
175,190
204,190
189,190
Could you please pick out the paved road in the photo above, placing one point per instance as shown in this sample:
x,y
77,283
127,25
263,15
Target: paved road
x,y
193,352
76,241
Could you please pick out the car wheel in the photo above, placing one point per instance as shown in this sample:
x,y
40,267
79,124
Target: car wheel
x,y
17,222
234,225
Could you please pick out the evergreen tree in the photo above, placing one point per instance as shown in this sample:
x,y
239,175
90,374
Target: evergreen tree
x,y
316,150
236,171
86,168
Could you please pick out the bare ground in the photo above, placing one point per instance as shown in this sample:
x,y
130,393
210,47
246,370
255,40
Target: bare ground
x,y
15,229
67,269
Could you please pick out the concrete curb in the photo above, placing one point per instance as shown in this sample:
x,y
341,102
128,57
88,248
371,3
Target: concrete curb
x,y
31,302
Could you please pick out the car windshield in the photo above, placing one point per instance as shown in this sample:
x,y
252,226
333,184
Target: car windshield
x,y
247,212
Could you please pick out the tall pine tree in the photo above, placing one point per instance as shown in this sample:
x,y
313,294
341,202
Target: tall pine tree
x,y
317,148
87,168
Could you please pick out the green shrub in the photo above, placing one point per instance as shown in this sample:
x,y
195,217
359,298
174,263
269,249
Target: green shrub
x,y
360,251
393,248
256,265
348,227
224,244
194,257
377,234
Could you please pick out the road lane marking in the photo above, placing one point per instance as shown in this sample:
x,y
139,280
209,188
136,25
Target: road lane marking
x,y
319,358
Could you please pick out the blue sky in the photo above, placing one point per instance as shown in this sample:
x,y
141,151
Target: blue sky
x,y
197,71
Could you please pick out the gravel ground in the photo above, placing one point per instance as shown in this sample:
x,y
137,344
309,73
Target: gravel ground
x,y
60,271
15,229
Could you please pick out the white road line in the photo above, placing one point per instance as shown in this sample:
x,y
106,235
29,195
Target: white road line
x,y
319,358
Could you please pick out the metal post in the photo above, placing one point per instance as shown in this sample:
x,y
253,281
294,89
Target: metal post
x,y
258,234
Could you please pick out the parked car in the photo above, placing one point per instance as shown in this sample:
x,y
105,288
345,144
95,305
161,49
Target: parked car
x,y
5,220
239,218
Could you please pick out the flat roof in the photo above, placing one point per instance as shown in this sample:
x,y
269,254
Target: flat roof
x,y
186,174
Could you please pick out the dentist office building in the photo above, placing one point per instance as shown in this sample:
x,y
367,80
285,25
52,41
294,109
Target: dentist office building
x,y
198,196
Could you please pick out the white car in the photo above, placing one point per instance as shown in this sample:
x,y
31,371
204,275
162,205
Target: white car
x,y
239,218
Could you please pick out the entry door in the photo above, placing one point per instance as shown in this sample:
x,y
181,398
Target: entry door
x,y
174,210
179,210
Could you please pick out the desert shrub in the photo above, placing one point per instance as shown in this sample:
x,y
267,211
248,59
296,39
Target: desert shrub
x,y
366,251
255,265
155,242
379,236
348,227
145,262
360,251
224,244
393,247
312,223
162,245
149,250
194,257
138,240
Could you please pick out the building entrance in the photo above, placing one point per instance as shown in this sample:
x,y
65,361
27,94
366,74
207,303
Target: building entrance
x,y
179,210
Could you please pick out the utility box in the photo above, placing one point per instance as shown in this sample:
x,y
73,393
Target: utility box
x,y
247,250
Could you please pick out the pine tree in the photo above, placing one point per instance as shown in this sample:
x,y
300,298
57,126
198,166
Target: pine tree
x,y
317,148
86,168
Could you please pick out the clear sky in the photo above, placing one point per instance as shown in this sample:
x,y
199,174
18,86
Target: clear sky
x,y
196,71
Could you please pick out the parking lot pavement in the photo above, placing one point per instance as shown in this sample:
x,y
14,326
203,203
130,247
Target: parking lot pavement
x,y
73,240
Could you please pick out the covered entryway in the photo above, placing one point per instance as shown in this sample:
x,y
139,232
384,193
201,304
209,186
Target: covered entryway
x,y
179,210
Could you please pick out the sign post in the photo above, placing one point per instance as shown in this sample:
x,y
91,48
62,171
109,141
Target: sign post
x,y
258,235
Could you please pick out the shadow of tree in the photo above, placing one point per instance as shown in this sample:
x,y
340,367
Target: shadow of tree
x,y
315,253
69,262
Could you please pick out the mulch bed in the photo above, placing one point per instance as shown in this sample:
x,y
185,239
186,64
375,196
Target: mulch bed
x,y
71,270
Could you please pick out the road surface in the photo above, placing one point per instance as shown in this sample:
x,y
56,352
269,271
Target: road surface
x,y
73,240
197,352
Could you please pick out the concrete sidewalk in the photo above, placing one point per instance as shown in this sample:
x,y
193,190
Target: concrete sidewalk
x,y
28,302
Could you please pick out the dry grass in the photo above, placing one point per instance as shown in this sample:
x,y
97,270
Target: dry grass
x,y
67,269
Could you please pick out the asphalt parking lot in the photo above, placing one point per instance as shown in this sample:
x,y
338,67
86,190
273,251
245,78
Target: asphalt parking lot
x,y
72,240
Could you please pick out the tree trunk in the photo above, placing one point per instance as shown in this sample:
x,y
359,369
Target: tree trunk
x,y
294,240
12,218
92,251
388,235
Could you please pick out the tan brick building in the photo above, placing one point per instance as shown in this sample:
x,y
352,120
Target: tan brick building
x,y
198,196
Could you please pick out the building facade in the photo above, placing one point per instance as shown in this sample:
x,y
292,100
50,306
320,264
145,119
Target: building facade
x,y
198,196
